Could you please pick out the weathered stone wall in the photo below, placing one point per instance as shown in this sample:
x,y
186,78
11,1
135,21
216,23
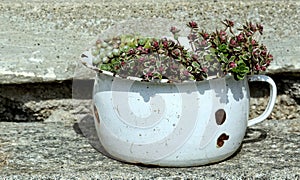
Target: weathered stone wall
x,y
40,42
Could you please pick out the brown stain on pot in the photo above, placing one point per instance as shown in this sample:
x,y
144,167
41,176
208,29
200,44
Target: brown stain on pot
x,y
221,140
220,116
96,114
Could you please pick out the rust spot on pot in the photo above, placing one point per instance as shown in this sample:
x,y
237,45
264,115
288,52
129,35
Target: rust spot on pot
x,y
96,114
220,116
223,137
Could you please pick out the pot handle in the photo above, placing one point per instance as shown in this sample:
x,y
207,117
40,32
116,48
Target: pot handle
x,y
273,94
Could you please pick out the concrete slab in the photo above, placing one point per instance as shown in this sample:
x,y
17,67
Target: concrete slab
x,y
40,41
58,150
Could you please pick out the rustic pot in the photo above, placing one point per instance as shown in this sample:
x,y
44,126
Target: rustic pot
x,y
174,124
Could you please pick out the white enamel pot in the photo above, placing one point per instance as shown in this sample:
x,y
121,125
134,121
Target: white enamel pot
x,y
176,125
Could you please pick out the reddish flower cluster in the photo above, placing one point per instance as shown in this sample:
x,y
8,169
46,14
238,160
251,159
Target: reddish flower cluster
x,y
238,54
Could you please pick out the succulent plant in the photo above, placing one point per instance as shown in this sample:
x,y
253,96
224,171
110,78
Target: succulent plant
x,y
228,52
212,54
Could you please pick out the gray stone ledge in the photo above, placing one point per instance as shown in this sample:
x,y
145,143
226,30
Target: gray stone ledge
x,y
42,41
57,150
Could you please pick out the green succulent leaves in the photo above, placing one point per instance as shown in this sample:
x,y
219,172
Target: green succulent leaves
x,y
241,70
213,54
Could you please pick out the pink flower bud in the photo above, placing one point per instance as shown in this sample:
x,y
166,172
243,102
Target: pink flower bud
x,y
203,43
222,38
149,74
142,59
140,48
263,53
186,73
193,24
230,23
161,69
270,57
155,44
205,36
257,67
232,65
165,43
260,28
240,37
174,30
255,53
145,51
205,69
176,52
232,42
222,33
249,34
131,52
253,28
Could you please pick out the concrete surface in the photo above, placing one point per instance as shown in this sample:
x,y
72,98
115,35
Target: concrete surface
x,y
40,41
58,150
